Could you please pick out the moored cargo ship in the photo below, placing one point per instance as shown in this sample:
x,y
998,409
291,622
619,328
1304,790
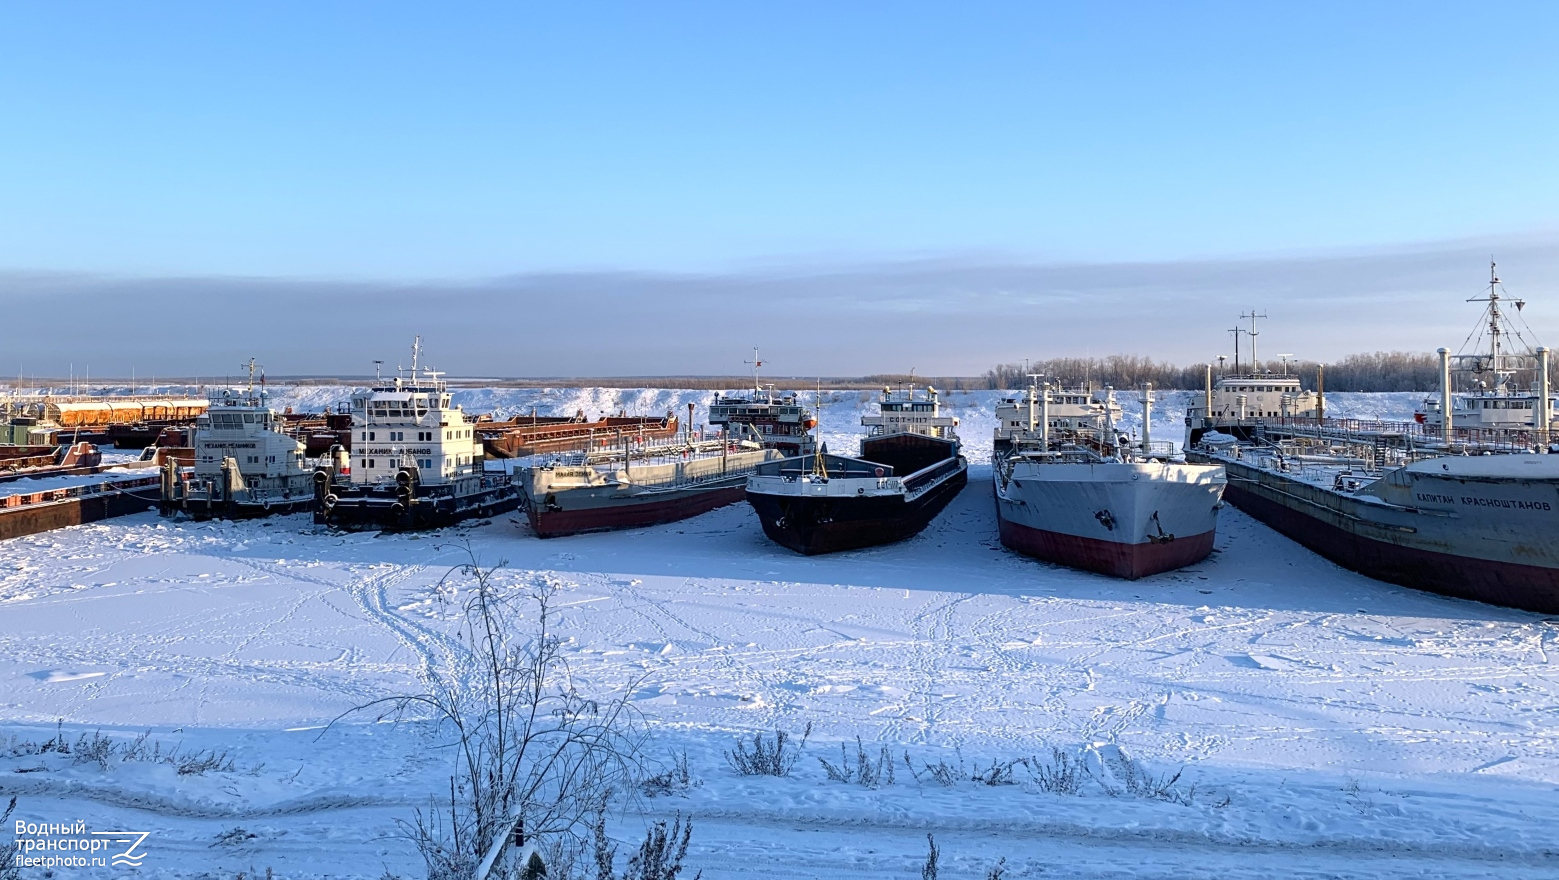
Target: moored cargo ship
x,y
1467,511
1477,527
636,478
1074,491
779,420
528,435
908,469
636,485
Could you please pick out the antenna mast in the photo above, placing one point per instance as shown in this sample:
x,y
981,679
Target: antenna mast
x,y
1255,364
757,389
819,463
1496,327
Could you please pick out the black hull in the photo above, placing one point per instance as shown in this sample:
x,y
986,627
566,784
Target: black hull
x,y
360,508
829,525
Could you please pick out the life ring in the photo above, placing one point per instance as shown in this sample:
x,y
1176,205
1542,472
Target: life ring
x,y
330,500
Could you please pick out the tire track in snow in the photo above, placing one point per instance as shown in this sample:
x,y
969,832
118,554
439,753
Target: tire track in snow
x,y
433,649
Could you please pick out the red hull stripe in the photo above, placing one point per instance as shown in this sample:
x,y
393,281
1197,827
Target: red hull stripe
x,y
553,523
1130,561
1531,587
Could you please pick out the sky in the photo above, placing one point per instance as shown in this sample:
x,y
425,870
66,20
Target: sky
x,y
620,189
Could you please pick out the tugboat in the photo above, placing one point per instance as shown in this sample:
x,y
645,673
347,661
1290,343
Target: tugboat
x,y
416,461
910,466
245,464
1075,491
778,421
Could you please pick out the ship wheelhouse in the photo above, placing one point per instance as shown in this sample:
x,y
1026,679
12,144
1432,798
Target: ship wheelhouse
x,y
416,460
1069,410
410,423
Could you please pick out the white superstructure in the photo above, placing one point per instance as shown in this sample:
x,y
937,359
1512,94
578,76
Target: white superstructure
x,y
1492,395
901,412
245,463
408,422
1066,408
416,460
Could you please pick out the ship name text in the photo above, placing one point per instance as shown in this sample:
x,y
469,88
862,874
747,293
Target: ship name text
x,y
1472,501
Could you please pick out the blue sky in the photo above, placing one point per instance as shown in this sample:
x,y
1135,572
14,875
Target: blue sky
x,y
402,143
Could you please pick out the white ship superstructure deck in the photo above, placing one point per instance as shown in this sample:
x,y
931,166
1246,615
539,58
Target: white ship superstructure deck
x,y
416,459
245,464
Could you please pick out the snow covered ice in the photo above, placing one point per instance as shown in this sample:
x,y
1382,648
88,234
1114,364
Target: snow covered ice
x,y
1332,725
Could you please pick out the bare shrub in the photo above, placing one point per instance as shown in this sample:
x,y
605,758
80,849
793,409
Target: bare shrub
x,y
933,856
999,773
58,743
534,757
1127,777
107,753
97,749
1063,774
774,756
864,770
941,772
234,836
8,866
200,763
675,779
997,871
659,857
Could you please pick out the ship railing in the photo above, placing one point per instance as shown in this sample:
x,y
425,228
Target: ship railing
x,y
658,453
683,480
930,474
1411,437
1068,455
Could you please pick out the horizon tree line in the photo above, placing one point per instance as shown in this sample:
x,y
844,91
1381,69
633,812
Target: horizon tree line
x,y
1368,371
